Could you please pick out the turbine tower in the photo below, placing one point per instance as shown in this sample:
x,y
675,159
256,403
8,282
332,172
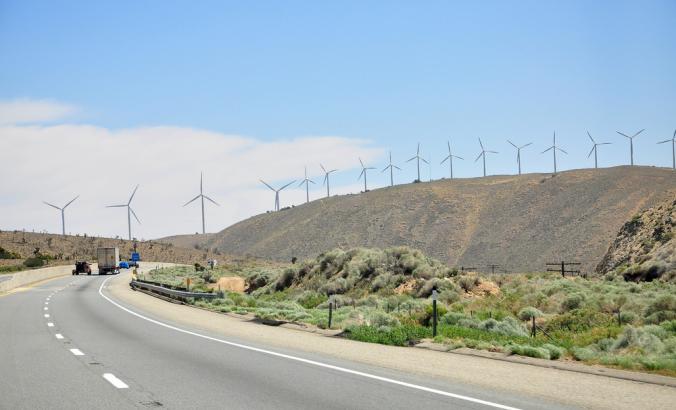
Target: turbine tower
x,y
483,154
63,213
449,158
391,167
363,172
130,211
203,197
554,148
326,179
518,153
307,181
418,158
631,143
673,151
595,150
277,192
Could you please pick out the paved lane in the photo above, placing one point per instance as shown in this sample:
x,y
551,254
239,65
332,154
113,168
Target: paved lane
x,y
148,365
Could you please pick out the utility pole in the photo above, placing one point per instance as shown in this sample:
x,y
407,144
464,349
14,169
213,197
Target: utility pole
x,y
562,268
493,266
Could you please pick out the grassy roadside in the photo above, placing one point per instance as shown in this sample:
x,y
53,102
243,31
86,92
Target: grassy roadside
x,y
382,296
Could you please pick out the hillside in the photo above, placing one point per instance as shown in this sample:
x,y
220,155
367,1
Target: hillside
x,y
518,222
64,249
645,248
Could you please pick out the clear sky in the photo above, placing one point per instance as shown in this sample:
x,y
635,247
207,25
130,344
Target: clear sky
x,y
207,85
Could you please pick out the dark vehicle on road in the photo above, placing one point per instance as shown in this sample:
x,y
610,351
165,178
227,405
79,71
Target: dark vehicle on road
x,y
82,267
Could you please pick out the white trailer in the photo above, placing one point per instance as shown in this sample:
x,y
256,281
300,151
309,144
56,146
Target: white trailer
x,y
108,260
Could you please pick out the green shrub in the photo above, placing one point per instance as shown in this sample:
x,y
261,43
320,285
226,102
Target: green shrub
x,y
555,352
662,309
583,354
573,301
33,262
398,336
311,299
5,254
285,279
528,350
381,320
529,312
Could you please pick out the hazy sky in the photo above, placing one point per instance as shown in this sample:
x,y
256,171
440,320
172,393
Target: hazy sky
x,y
95,98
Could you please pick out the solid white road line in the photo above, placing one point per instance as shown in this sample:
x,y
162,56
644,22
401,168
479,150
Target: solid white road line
x,y
308,361
46,314
59,336
115,381
50,324
77,352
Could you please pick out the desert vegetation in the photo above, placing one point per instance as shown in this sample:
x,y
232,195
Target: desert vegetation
x,y
383,296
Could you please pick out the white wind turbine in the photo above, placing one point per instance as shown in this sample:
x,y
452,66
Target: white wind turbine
x,y
326,179
631,143
363,172
63,213
418,158
483,154
595,150
277,192
449,158
203,197
130,211
554,148
307,181
518,153
391,167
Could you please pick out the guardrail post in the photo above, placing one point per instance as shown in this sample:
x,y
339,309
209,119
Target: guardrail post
x,y
434,312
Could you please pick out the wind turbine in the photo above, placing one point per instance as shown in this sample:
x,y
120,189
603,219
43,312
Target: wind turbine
x,y
554,148
130,211
673,152
595,150
418,158
363,172
63,213
277,192
307,181
483,154
326,178
449,158
391,167
203,197
631,143
518,153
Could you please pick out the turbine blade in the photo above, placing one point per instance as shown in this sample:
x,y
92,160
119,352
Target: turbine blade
x,y
53,206
71,201
396,167
409,160
135,217
524,146
116,206
386,168
423,160
455,156
212,201
562,150
287,185
311,181
267,185
361,162
624,135
477,158
192,199
132,195
605,143
638,133
363,170
590,137
301,182
326,177
322,167
445,159
493,152
592,151
482,145
546,150
661,142
512,144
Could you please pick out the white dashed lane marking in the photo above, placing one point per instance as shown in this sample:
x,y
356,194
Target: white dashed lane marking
x,y
46,308
46,314
59,336
77,352
50,324
115,381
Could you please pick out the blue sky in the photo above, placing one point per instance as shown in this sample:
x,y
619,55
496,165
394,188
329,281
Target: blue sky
x,y
392,73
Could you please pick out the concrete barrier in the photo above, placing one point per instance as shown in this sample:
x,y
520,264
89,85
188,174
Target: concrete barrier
x,y
23,278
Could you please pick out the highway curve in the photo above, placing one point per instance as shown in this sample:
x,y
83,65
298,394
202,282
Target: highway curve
x,y
68,343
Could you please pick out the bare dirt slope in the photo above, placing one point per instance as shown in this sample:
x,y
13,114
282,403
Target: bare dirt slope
x,y
518,222
69,248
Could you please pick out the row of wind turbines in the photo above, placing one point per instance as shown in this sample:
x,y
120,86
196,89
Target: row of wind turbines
x,y
554,148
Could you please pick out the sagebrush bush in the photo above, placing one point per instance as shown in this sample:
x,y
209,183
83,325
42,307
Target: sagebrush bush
x,y
528,350
529,312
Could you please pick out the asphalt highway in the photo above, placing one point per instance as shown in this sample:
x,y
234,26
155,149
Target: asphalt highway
x,y
67,344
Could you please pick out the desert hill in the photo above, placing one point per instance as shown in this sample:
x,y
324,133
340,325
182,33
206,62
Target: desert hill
x,y
517,222
65,249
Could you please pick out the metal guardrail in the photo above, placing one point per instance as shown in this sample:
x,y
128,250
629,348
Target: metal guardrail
x,y
172,293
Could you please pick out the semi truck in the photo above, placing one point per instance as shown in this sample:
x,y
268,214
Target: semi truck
x,y
108,260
